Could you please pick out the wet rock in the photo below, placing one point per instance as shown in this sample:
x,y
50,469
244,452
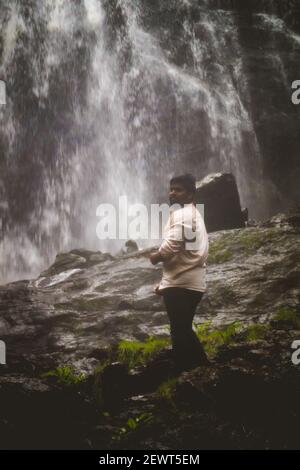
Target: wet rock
x,y
64,262
131,246
124,305
291,218
76,259
222,209
76,316
115,385
59,318
146,379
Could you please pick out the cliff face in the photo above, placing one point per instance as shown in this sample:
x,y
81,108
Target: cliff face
x,y
106,98
259,58
270,46
63,331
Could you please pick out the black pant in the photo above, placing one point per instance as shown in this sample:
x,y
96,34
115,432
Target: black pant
x,y
181,306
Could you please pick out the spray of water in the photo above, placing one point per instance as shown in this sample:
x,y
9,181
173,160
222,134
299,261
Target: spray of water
x,y
102,104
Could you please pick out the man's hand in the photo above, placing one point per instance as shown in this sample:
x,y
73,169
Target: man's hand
x,y
155,257
156,290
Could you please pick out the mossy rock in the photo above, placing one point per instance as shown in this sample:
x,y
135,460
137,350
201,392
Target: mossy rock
x,y
286,318
64,375
136,353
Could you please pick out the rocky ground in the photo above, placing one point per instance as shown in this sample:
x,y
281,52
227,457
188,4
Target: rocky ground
x,y
89,365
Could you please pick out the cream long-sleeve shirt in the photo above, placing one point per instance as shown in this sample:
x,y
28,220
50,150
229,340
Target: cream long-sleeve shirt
x,y
184,262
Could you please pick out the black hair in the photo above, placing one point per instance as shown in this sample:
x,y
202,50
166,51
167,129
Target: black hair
x,y
188,181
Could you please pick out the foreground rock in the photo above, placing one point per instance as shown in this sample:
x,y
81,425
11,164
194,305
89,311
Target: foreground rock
x,y
248,398
86,302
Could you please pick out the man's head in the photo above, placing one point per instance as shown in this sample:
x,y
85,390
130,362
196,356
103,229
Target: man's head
x,y
182,189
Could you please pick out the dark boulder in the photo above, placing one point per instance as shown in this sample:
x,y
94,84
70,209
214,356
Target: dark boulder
x,y
222,209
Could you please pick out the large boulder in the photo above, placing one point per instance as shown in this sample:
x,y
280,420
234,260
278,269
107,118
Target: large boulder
x,y
222,209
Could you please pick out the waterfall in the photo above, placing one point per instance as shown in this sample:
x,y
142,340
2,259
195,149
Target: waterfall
x,y
112,97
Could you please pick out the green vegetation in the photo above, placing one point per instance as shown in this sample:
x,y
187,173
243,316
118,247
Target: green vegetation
x,y
135,353
130,353
251,240
256,331
166,389
221,256
65,375
247,241
101,365
219,252
132,425
212,339
288,315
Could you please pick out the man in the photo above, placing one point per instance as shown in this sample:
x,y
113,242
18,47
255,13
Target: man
x,y
184,268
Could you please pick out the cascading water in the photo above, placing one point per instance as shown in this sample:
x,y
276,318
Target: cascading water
x,y
111,97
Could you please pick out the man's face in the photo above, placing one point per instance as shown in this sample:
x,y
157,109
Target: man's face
x,y
179,195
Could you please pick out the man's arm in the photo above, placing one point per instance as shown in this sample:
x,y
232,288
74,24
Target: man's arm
x,y
155,257
173,241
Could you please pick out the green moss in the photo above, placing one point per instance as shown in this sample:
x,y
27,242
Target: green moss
x,y
143,418
233,333
134,353
251,240
245,241
132,425
212,339
219,252
65,375
289,315
166,389
256,331
221,256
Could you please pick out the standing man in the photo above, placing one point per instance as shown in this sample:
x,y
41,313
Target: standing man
x,y
184,268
